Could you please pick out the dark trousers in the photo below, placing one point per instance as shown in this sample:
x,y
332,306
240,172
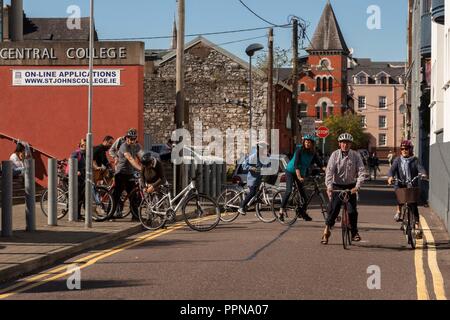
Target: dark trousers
x,y
123,182
252,193
291,178
335,205
81,192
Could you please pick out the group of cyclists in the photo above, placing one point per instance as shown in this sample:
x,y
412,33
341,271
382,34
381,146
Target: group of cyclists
x,y
345,170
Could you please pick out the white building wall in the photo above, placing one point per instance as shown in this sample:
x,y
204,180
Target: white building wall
x,y
437,80
446,40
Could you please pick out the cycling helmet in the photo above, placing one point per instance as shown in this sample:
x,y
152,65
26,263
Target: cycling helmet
x,y
345,137
148,159
310,137
131,133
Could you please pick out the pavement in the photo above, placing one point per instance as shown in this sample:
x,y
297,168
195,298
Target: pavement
x,y
27,252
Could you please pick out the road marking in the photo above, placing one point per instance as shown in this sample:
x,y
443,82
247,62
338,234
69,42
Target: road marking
x,y
422,291
438,280
31,283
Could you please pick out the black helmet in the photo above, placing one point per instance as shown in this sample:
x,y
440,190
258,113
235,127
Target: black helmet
x,y
131,133
148,159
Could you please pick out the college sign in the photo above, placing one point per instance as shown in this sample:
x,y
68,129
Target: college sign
x,y
38,53
65,77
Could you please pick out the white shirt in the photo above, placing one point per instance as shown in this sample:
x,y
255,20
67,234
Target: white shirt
x,y
17,163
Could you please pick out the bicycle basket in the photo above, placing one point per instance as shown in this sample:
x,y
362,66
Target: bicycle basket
x,y
407,195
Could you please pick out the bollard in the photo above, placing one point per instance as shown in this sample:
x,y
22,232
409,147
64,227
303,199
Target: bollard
x,y
214,180
88,195
73,189
52,219
193,173
224,174
206,168
200,182
30,195
7,188
219,179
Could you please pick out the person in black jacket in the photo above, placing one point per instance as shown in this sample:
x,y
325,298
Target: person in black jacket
x,y
406,168
101,163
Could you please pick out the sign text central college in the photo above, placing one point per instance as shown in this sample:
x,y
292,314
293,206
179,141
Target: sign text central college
x,y
71,53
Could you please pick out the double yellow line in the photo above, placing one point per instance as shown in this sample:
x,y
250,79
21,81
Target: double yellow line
x,y
65,270
438,280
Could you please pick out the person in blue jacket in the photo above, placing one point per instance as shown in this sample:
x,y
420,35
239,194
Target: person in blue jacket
x,y
297,170
254,165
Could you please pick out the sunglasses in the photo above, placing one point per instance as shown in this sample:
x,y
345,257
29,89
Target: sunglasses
x,y
132,139
403,149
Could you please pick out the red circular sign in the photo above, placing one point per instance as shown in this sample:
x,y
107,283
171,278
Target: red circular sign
x,y
322,132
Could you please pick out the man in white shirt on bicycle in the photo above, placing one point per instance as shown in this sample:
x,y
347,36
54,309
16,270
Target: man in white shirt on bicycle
x,y
345,171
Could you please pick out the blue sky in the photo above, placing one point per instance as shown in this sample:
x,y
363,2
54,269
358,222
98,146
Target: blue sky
x,y
117,19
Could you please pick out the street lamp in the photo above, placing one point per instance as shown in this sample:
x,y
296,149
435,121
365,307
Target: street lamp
x,y
250,51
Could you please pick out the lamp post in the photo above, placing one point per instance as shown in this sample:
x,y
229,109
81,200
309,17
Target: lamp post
x,y
89,147
250,51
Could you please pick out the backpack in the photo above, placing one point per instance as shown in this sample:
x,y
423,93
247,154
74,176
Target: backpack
x,y
67,165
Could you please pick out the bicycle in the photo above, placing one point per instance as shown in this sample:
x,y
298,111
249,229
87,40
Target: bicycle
x,y
295,202
62,192
406,197
129,202
232,196
346,227
200,211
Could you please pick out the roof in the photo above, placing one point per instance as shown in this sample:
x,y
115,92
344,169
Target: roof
x,y
55,29
173,53
328,35
155,54
372,68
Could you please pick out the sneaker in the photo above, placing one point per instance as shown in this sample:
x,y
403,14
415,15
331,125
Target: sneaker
x,y
306,217
281,216
356,237
397,217
241,211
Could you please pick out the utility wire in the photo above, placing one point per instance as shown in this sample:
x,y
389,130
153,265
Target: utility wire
x,y
257,15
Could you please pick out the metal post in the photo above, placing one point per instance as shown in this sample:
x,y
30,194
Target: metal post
x,y
250,106
323,146
206,168
73,189
89,147
1,21
224,174
219,178
200,182
214,180
52,193
30,195
7,188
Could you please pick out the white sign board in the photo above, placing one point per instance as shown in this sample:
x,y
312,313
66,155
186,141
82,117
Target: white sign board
x,y
65,77
308,126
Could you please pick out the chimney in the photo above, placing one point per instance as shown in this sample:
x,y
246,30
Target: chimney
x,y
174,34
17,20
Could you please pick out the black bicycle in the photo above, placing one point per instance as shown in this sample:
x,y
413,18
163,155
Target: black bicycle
x,y
406,197
295,201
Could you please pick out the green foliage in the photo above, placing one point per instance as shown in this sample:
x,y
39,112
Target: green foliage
x,y
350,123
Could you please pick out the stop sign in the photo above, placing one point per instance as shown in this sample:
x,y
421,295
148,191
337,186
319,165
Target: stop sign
x,y
322,132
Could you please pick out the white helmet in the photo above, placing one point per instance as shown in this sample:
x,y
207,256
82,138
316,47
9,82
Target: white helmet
x,y
345,137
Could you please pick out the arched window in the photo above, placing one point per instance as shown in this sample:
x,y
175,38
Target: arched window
x,y
330,84
324,110
318,84
324,84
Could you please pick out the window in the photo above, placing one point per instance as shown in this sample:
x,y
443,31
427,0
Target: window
x,y
382,79
361,102
324,84
303,110
382,123
318,84
382,103
318,113
325,63
302,87
330,111
362,79
382,139
324,110
363,121
330,84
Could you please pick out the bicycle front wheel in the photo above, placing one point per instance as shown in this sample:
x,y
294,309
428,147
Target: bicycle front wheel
x,y
152,211
229,201
410,227
346,230
62,203
102,204
264,210
201,212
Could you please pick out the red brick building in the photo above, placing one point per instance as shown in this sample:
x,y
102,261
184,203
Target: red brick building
x,y
323,77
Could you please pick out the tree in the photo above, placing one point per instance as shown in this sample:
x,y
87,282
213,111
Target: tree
x,y
280,59
350,123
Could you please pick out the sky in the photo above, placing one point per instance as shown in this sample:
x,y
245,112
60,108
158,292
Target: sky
x,y
118,19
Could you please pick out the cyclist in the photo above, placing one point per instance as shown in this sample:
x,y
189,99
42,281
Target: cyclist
x,y
80,155
127,163
254,178
152,173
405,168
101,164
296,171
345,170
114,150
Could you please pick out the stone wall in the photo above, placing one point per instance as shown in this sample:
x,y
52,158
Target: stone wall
x,y
210,78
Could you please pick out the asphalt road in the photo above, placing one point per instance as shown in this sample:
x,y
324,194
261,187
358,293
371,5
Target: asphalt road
x,y
251,260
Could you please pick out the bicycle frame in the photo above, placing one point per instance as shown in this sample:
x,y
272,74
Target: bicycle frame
x,y
179,199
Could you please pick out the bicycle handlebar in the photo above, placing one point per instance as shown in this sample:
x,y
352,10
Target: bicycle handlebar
x,y
419,176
